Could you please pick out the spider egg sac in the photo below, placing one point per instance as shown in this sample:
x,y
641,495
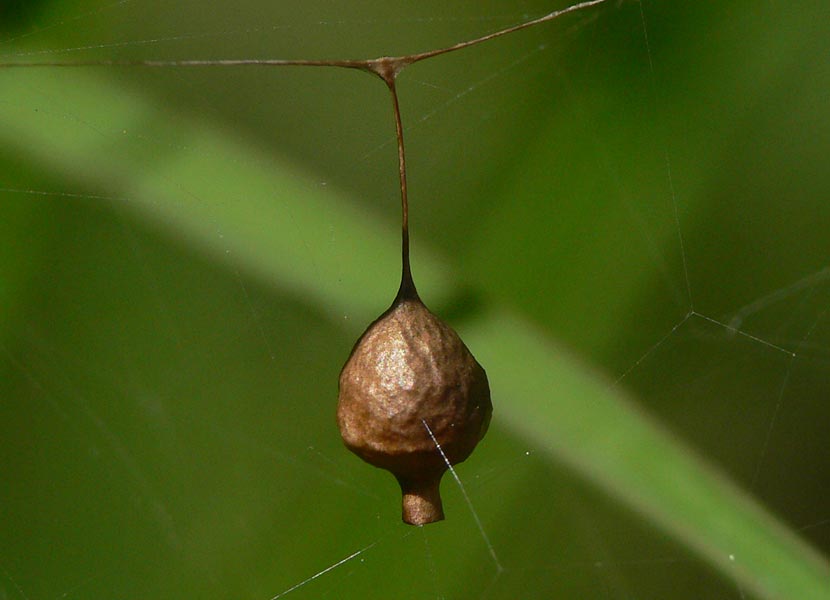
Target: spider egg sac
x,y
409,378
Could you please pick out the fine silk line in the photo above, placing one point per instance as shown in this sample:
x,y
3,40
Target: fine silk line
x,y
469,502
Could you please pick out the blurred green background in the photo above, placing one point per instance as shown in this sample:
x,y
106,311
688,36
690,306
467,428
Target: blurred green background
x,y
187,256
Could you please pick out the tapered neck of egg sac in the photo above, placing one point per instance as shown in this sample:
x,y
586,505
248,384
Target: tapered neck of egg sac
x,y
407,290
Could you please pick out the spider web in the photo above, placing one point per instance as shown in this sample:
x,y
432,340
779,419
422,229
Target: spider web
x,y
641,183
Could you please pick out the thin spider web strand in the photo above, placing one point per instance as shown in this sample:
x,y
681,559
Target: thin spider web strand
x,y
112,45
72,195
230,62
74,589
667,159
431,563
309,469
14,583
157,509
447,103
737,320
779,403
494,579
227,33
62,22
778,295
365,64
490,548
677,221
604,564
815,525
743,333
343,561
256,317
651,350
486,38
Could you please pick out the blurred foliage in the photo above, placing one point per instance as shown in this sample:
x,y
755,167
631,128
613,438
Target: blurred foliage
x,y
19,13
188,255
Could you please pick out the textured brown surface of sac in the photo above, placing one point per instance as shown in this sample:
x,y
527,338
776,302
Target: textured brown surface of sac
x,y
410,368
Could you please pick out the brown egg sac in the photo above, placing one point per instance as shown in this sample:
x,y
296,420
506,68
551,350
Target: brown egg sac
x,y
410,370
